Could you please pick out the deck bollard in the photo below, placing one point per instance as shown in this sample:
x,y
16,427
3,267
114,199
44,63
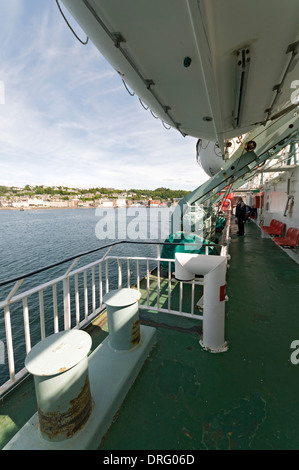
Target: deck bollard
x,y
59,365
123,318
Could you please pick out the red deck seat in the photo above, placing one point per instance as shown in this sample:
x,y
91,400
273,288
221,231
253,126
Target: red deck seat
x,y
275,228
265,228
291,239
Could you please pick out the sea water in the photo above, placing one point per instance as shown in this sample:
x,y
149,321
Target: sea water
x,y
36,238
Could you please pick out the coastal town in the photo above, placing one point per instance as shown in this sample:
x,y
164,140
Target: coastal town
x,y
42,197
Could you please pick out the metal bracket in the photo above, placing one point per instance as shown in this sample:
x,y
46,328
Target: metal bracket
x,y
293,47
166,109
118,38
149,83
243,62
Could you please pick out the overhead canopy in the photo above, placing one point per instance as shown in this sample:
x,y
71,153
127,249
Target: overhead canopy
x,y
213,69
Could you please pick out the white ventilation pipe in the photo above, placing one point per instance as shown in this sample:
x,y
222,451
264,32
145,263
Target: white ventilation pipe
x,y
213,268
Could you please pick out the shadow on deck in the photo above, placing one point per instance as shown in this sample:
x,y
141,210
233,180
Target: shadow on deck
x,y
246,398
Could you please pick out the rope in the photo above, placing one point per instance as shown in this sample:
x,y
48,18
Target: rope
x,y
80,40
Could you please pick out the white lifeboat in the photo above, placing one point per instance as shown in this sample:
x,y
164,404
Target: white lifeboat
x,y
209,155
212,69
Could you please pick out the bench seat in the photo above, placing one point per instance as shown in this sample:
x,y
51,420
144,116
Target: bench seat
x,y
275,228
291,239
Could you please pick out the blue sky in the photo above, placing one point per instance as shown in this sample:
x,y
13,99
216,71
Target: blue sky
x,y
66,118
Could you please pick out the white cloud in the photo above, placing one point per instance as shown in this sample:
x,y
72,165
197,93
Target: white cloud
x,y
67,119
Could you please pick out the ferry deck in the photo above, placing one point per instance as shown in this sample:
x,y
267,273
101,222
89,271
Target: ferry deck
x,y
186,398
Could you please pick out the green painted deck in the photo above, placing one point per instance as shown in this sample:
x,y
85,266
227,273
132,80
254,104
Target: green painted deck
x,y
246,398
189,399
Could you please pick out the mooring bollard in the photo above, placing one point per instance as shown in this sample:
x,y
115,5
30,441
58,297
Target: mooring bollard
x,y
123,318
59,365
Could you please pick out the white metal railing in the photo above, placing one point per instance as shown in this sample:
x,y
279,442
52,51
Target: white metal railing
x,y
76,298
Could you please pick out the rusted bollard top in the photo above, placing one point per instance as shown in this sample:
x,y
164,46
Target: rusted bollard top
x,y
58,353
59,365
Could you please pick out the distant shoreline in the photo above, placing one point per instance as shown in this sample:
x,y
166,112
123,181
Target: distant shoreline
x,y
23,209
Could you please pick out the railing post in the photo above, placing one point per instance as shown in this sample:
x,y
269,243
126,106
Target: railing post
x,y
158,276
9,343
138,275
107,276
120,281
8,331
42,314
13,291
55,309
77,300
26,325
93,290
66,304
128,273
169,286
147,282
100,285
67,297
85,296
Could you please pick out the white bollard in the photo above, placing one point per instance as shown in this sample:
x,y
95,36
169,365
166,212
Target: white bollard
x,y
123,318
213,268
59,365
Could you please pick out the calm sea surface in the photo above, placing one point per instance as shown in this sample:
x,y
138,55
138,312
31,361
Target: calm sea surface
x,y
33,239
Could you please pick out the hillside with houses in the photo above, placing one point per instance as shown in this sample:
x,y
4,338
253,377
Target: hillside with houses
x,y
42,197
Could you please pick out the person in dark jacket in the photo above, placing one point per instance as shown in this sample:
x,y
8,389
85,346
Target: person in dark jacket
x,y
241,215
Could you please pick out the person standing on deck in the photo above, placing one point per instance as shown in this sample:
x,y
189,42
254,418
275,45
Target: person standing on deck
x,y
241,215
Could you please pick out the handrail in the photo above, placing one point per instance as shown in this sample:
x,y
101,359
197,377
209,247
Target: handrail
x,y
82,299
111,245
